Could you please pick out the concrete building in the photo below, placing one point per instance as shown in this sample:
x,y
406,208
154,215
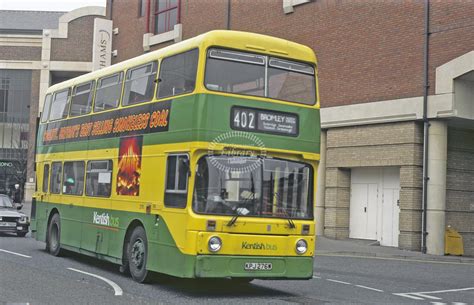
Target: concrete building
x,y
38,49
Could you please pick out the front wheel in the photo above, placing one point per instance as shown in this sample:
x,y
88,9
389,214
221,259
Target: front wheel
x,y
137,254
54,236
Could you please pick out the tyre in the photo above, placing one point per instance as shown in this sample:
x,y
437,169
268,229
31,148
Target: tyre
x,y
21,234
137,255
53,245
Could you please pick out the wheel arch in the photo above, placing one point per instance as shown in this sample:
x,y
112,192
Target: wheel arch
x,y
51,214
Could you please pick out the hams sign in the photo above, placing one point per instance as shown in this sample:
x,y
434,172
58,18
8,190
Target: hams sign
x,y
102,47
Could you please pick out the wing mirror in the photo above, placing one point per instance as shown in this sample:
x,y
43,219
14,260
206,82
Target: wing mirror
x,y
19,206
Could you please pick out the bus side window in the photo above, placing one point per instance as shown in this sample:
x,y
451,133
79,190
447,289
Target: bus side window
x,y
178,74
177,172
73,178
108,92
60,105
81,100
99,178
46,107
55,179
45,178
140,84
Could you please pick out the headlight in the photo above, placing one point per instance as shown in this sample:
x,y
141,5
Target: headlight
x,y
214,244
301,246
23,219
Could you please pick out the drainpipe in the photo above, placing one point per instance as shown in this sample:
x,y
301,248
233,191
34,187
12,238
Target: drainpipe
x,y
228,14
426,126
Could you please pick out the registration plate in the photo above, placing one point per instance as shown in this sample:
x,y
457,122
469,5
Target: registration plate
x,y
7,224
258,266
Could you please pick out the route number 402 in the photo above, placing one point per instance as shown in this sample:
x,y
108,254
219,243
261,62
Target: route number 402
x,y
244,119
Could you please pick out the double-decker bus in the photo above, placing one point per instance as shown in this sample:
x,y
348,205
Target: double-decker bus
x,y
197,160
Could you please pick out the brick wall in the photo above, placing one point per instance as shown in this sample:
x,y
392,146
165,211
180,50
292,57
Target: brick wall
x,y
396,144
20,53
460,185
78,45
129,41
367,50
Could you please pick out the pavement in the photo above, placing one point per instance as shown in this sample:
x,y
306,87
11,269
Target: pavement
x,y
370,248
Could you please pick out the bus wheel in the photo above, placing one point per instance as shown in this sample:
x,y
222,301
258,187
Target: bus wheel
x,y
137,255
54,236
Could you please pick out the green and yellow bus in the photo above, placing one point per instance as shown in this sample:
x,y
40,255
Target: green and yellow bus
x,y
197,160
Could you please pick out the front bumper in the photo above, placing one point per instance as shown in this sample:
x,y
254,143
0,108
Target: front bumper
x,y
218,266
20,228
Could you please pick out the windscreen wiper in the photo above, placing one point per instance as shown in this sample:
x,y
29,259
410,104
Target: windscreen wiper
x,y
291,224
233,220
243,211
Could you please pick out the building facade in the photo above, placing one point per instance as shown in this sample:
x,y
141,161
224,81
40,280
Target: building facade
x,y
396,83
39,49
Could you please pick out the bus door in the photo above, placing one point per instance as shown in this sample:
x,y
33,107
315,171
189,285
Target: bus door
x,y
43,177
72,190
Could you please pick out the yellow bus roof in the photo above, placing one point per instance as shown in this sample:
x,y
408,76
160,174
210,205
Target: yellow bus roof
x,y
250,42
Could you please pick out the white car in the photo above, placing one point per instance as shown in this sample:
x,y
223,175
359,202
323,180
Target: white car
x,y
11,220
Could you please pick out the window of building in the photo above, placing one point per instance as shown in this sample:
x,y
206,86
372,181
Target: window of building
x,y
166,15
108,92
55,178
46,107
99,178
142,7
59,106
4,87
45,178
73,178
177,172
178,74
140,84
81,100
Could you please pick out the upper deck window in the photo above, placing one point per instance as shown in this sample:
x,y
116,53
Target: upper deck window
x,y
235,72
258,75
59,107
178,74
166,15
81,101
291,81
46,107
140,84
107,95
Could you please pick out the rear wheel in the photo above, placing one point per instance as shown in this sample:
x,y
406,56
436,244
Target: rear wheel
x,y
21,234
137,254
54,236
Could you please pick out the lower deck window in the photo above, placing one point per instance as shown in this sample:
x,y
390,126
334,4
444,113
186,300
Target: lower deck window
x,y
99,178
55,183
73,178
176,192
